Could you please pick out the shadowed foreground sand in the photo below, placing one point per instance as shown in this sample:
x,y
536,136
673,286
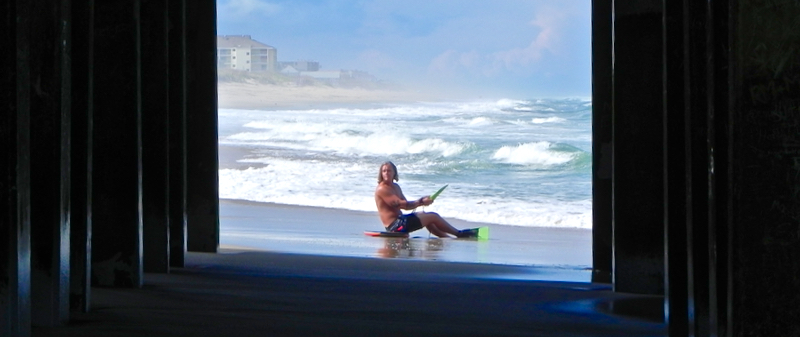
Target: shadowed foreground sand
x,y
238,293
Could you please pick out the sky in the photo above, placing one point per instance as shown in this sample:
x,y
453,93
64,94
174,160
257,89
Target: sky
x,y
519,49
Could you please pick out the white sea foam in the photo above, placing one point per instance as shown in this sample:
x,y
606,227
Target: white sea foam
x,y
349,138
537,153
250,136
548,120
516,213
351,187
330,158
475,122
480,121
332,185
509,103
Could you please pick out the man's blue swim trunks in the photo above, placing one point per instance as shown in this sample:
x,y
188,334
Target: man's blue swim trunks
x,y
405,223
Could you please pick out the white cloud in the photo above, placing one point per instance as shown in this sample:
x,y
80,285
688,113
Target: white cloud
x,y
236,9
553,27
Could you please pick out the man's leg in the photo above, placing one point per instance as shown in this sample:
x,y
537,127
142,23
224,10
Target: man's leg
x,y
436,224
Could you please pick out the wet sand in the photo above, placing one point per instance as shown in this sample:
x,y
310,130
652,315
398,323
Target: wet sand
x,y
558,254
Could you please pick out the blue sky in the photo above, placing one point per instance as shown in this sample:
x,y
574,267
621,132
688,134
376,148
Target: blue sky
x,y
476,48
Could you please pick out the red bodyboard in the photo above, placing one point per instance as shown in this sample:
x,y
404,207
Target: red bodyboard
x,y
386,234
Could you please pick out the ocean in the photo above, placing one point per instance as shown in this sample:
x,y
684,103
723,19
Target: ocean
x,y
507,162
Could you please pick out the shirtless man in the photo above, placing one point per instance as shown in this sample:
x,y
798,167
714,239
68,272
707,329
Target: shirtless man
x,y
390,200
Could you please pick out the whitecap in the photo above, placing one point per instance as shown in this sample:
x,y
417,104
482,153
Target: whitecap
x,y
548,120
538,153
480,121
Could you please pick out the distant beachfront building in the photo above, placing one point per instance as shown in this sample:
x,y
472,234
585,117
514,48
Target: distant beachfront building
x,y
241,52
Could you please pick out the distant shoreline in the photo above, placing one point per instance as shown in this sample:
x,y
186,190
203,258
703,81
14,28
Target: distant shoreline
x,y
237,95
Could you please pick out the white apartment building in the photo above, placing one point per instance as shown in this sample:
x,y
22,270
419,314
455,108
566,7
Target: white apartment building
x,y
241,52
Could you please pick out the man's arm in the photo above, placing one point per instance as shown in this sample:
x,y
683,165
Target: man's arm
x,y
393,199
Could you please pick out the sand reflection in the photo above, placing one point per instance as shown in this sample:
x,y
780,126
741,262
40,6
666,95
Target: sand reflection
x,y
427,249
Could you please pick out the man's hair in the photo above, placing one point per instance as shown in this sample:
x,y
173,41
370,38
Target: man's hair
x,y
380,172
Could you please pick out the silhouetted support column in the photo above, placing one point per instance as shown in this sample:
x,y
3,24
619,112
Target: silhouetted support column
x,y
732,78
80,221
764,188
177,132
15,296
698,147
602,148
696,87
202,183
676,86
700,103
155,142
721,78
638,190
50,161
116,146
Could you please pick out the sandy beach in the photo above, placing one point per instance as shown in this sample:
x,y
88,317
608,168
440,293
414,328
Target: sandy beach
x,y
557,254
237,95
